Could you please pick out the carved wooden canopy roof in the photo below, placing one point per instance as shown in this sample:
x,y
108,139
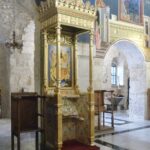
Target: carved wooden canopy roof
x,y
73,13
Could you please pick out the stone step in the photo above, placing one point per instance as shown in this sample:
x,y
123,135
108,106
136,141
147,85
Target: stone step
x,y
101,53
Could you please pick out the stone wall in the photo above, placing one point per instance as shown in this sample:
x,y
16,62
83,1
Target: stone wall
x,y
99,74
5,29
16,66
147,103
134,67
137,73
4,80
22,63
148,74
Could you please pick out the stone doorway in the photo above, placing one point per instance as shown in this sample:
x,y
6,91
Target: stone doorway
x,y
131,63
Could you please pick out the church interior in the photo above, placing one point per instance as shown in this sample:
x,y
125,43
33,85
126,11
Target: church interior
x,y
75,75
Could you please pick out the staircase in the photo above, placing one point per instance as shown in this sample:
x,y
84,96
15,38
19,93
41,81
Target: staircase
x,y
100,53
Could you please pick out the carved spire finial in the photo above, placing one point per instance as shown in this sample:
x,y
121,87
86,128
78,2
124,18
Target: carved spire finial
x,y
78,5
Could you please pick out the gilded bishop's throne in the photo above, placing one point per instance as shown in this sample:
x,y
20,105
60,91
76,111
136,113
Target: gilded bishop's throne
x,y
69,113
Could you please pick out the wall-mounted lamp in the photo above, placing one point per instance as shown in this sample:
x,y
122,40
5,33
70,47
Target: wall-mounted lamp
x,y
14,44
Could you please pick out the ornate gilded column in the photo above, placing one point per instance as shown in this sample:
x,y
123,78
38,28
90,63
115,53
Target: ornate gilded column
x,y
45,62
58,53
91,61
76,64
90,91
59,100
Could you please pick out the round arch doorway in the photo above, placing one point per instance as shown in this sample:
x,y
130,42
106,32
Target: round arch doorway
x,y
130,64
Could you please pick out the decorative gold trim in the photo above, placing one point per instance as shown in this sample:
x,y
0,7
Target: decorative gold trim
x,y
45,62
91,61
61,21
58,60
120,30
80,15
72,5
66,40
76,64
90,91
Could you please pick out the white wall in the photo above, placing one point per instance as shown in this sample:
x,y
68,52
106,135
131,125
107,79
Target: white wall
x,y
134,65
22,63
137,74
16,66
147,103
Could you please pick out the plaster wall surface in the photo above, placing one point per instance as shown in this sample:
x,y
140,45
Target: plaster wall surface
x,y
4,80
148,74
22,63
137,74
16,66
147,104
98,74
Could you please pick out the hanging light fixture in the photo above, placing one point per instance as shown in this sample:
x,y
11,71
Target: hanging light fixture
x,y
14,44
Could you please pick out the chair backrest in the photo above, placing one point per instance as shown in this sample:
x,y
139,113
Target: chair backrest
x,y
99,100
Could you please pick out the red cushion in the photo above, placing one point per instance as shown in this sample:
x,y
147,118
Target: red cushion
x,y
75,145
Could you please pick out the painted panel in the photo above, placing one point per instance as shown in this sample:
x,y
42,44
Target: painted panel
x,y
147,7
131,11
66,66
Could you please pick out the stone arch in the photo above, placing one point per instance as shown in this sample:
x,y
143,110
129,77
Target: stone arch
x,y
135,60
127,40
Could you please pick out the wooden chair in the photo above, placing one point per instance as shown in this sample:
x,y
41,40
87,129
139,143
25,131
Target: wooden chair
x,y
101,107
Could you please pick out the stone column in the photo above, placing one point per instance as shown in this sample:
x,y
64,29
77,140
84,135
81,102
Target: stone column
x,y
90,91
76,63
45,62
59,100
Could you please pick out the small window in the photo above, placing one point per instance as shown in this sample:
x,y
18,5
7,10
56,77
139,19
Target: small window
x,y
120,75
114,74
147,43
146,27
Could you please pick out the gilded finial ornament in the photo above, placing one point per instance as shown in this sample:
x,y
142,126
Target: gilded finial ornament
x,y
70,12
71,4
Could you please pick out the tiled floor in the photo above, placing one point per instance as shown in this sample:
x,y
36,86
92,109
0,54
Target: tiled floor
x,y
128,135
27,141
